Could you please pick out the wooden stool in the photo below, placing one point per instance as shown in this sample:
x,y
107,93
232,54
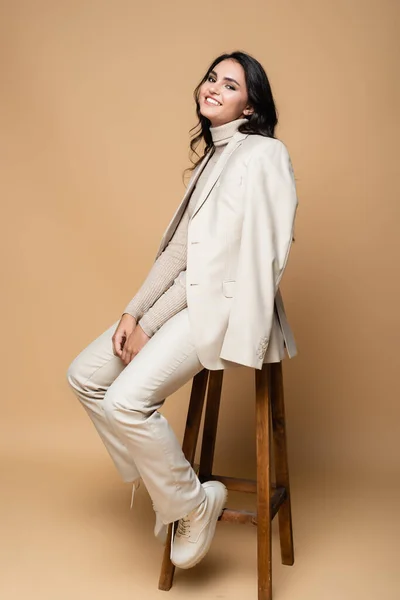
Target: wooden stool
x,y
271,498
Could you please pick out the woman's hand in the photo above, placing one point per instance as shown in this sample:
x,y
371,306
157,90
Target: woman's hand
x,y
125,327
135,342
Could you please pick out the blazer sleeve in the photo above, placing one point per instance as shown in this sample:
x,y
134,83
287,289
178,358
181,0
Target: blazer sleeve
x,y
268,225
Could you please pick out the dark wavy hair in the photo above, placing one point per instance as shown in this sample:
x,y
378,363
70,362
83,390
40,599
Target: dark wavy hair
x,y
262,121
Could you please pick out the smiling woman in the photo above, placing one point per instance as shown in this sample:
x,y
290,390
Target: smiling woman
x,y
240,86
211,300
223,90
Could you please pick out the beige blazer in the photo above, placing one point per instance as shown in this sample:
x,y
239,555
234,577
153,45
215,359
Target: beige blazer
x,y
239,238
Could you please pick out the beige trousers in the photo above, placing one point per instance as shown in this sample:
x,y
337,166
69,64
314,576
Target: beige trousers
x,y
123,401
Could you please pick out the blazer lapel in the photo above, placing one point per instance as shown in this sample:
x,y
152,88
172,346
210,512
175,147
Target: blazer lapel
x,y
233,143
182,206
231,146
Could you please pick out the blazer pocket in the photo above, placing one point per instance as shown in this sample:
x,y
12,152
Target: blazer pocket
x,y
230,181
228,288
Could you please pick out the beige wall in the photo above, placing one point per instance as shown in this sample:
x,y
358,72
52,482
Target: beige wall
x,y
96,105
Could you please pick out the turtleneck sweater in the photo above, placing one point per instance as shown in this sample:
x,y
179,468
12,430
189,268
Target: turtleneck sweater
x,y
163,293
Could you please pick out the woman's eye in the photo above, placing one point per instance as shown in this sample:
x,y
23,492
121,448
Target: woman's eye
x,y
229,86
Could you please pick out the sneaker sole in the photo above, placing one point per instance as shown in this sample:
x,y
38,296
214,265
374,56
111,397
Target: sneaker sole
x,y
219,508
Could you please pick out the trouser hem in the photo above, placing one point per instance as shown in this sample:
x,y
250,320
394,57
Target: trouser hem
x,y
177,513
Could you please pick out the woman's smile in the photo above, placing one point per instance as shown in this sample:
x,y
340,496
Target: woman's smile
x,y
224,90
212,101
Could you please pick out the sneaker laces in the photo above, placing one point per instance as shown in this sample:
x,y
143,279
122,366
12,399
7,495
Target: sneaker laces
x,y
183,530
172,540
183,527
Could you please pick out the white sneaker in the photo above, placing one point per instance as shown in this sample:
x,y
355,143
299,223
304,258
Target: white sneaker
x,y
160,530
196,530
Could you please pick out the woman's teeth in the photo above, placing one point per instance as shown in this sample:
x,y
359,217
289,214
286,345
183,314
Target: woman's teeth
x,y
213,102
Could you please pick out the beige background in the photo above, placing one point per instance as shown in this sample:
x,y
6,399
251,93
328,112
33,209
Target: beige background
x,y
96,106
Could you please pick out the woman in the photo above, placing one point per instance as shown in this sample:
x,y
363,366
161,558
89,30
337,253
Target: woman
x,y
208,301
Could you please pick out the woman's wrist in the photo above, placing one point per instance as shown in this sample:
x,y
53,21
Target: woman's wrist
x,y
131,316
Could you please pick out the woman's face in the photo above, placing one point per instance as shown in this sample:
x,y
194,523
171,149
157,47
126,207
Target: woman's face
x,y
226,85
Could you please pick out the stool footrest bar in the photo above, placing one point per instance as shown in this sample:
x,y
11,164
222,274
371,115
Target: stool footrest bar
x,y
234,484
245,516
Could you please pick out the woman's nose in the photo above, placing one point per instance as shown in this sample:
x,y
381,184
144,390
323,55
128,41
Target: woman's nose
x,y
214,90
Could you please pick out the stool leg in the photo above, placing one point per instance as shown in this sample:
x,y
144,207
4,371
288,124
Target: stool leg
x,y
210,424
263,484
281,463
190,438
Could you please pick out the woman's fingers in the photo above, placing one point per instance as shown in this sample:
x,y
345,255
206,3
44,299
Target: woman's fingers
x,y
124,329
134,344
127,354
117,343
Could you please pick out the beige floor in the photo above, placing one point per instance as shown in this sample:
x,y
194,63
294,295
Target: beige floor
x,y
67,532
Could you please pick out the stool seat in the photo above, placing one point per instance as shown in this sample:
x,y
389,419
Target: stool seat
x,y
272,497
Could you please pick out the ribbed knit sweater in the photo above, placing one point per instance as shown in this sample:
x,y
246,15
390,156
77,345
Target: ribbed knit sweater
x,y
163,293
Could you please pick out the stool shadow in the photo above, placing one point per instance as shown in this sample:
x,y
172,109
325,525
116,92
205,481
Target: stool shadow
x,y
203,573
